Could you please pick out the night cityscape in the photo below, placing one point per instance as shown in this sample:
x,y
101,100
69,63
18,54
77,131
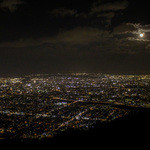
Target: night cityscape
x,y
75,72
39,106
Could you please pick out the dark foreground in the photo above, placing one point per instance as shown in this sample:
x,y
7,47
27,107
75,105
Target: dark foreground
x,y
130,129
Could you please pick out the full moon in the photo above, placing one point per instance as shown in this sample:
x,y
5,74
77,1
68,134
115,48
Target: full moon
x,y
141,35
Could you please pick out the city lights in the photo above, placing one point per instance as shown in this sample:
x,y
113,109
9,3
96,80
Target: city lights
x,y
39,106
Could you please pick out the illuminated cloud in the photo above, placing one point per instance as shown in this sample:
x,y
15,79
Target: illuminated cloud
x,y
124,28
132,32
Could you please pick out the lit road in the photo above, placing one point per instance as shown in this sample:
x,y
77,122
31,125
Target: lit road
x,y
73,118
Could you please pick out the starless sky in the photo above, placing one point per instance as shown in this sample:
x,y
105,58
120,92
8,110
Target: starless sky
x,y
38,36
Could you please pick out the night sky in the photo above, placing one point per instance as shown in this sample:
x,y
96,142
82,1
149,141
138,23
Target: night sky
x,y
38,36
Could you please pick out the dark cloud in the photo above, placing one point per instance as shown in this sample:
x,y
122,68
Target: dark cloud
x,y
75,36
11,5
82,36
62,12
107,10
111,6
100,9
30,42
107,16
148,47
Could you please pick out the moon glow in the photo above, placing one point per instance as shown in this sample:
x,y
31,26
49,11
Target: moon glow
x,y
141,35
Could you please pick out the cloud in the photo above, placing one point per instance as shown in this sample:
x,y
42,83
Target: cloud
x,y
140,28
24,43
63,12
148,46
82,35
124,28
138,39
100,9
107,16
107,10
75,36
112,6
131,32
86,40
11,5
